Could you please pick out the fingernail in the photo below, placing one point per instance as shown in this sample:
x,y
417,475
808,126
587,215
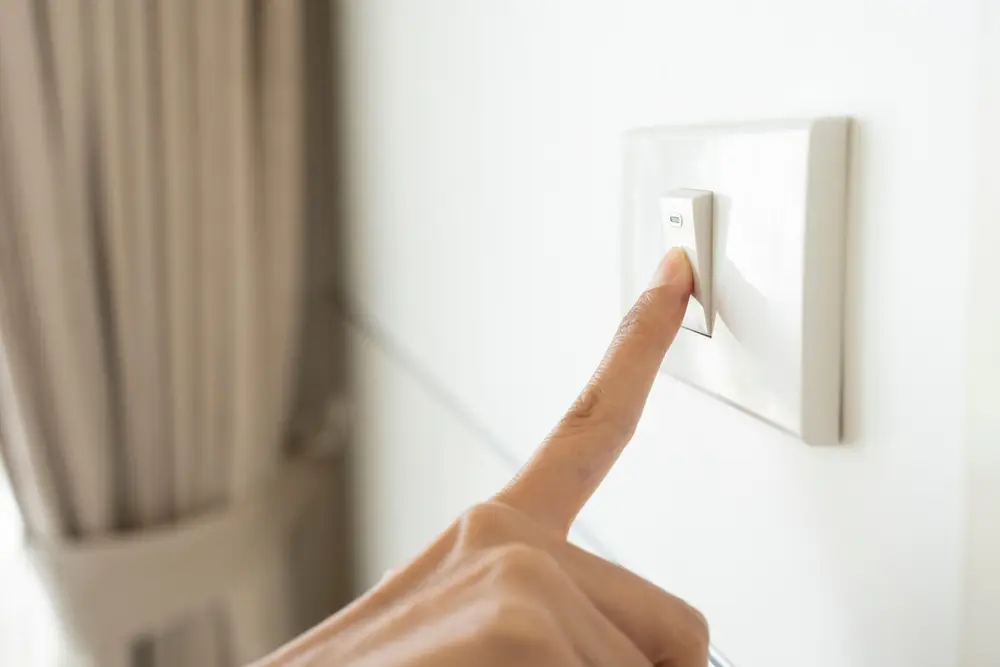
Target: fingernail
x,y
673,269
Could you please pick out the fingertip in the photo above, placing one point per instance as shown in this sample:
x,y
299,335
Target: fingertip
x,y
674,270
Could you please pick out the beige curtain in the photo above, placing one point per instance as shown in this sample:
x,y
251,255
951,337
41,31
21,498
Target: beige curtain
x,y
151,217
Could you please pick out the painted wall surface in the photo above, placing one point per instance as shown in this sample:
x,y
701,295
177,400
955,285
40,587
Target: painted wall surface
x,y
981,613
484,142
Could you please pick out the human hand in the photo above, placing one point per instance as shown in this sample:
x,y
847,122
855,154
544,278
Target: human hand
x,y
502,586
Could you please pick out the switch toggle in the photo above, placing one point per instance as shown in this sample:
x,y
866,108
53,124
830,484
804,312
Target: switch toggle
x,y
686,217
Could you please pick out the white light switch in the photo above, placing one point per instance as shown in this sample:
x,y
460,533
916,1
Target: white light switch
x,y
761,209
686,220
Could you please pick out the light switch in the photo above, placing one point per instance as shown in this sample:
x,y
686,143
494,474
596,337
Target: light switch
x,y
686,219
760,208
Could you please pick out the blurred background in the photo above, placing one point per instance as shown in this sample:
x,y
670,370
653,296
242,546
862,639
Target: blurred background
x,y
286,285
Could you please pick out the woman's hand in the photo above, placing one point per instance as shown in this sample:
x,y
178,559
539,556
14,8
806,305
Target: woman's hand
x,y
502,586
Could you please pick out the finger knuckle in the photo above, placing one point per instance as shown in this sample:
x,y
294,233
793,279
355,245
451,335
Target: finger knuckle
x,y
688,634
516,624
482,525
699,626
584,411
523,565
694,630
641,319
587,415
699,622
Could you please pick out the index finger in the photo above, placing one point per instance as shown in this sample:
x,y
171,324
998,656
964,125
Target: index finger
x,y
573,460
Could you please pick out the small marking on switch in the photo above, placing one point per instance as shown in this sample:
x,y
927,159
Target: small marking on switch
x,y
676,220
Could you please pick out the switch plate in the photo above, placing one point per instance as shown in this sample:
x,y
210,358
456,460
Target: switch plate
x,y
686,222
777,261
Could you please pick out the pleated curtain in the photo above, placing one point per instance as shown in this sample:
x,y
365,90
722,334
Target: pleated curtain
x,y
151,240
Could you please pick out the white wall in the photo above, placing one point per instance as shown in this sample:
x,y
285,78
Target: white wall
x,y
981,617
485,165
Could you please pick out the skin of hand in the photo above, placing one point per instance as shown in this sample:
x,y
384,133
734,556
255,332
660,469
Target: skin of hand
x,y
502,585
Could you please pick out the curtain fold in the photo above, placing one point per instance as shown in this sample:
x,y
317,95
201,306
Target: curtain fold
x,y
151,243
